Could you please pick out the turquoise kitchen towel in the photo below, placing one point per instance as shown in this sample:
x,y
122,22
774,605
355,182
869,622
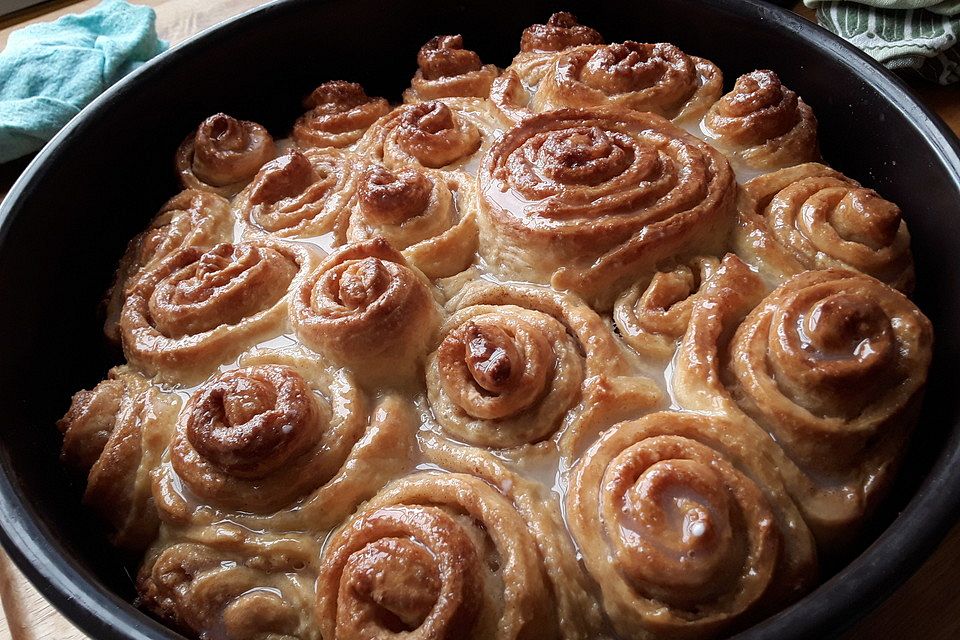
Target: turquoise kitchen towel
x,y
900,34
49,71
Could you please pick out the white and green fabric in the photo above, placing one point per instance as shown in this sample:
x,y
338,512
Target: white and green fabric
x,y
900,34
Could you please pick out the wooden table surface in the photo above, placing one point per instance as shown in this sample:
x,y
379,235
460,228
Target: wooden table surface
x,y
926,607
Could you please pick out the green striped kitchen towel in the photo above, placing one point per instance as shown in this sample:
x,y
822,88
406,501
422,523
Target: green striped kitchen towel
x,y
900,34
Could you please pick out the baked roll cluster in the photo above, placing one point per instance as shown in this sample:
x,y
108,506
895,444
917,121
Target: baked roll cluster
x,y
581,347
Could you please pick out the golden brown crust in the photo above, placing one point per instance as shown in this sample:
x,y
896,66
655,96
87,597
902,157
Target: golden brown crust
x,y
812,217
504,378
447,70
591,199
413,380
246,587
430,216
192,218
438,134
366,308
116,433
301,194
511,96
763,123
252,439
223,154
539,45
686,530
561,31
437,556
197,309
578,610
657,78
652,315
338,114
287,442
831,365
520,365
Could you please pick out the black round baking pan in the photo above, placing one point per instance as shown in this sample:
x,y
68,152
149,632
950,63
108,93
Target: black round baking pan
x,y
66,222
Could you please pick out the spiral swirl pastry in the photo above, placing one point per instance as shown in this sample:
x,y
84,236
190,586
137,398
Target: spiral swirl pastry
x,y
232,586
831,365
437,134
435,556
763,124
116,433
251,438
301,194
516,364
286,442
659,78
685,529
197,308
495,367
812,217
512,92
192,218
652,315
579,613
561,31
430,216
223,154
447,70
592,199
338,114
367,309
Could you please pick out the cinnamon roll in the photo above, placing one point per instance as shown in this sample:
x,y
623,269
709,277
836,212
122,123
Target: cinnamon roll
x,y
763,124
831,365
231,585
438,134
192,218
685,528
429,216
223,154
447,70
578,611
301,194
512,91
338,114
199,308
812,217
519,365
561,31
652,315
479,365
659,78
116,433
285,442
435,555
591,199
368,309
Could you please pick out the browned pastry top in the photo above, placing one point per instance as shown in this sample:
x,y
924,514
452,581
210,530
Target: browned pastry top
x,y
560,32
444,56
338,114
579,348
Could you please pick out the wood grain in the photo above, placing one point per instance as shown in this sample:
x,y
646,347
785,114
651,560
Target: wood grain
x,y
926,607
25,615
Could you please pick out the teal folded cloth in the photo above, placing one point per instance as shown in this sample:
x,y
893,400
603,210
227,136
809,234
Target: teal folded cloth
x,y
900,34
49,71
